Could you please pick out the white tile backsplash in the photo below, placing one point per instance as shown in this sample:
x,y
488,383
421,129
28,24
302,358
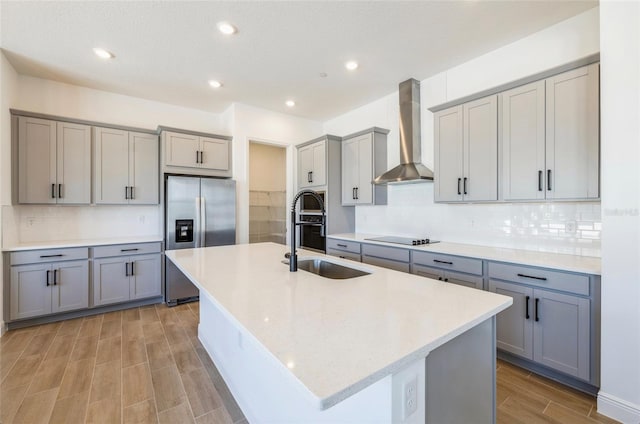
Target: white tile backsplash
x,y
38,223
539,226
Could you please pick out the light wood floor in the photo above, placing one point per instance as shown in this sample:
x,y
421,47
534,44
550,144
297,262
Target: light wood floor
x,y
147,365
139,365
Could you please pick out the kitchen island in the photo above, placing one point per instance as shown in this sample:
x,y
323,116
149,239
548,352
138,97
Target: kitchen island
x,y
297,347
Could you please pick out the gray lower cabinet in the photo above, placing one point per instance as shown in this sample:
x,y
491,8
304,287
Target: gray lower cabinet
x,y
452,269
386,257
545,325
47,288
344,249
120,276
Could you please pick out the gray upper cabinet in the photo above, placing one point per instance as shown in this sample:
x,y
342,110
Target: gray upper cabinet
x,y
466,152
54,162
550,138
573,134
126,167
364,156
312,165
523,142
195,153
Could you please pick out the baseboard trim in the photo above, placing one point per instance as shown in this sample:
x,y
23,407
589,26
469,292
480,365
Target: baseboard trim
x,y
618,409
3,328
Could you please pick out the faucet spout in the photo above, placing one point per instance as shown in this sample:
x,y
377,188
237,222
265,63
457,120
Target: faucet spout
x,y
293,258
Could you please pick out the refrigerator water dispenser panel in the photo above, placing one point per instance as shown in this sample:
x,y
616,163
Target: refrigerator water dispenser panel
x,y
184,230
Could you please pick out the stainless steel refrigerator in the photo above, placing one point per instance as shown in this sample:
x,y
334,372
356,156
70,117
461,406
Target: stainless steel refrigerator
x,y
199,212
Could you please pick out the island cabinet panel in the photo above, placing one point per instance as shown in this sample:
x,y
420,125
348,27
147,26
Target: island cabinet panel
x,y
54,162
46,288
126,167
550,321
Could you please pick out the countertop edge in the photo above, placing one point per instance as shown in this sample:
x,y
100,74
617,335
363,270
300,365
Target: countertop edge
x,y
65,244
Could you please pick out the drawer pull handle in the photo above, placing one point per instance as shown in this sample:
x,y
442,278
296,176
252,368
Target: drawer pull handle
x,y
53,191
341,245
537,308
526,303
539,180
126,269
464,185
55,277
52,256
531,276
446,280
459,179
548,180
60,191
442,262
132,273
47,280
341,257
129,250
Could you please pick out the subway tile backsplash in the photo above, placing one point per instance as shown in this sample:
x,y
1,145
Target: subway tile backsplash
x,y
558,227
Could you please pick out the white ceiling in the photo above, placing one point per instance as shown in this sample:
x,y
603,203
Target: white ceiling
x,y
167,51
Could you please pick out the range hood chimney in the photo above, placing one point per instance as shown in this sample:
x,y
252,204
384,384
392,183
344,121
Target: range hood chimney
x,y
410,169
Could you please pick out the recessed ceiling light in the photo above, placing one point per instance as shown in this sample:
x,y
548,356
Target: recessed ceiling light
x,y
215,84
226,28
290,103
352,65
103,54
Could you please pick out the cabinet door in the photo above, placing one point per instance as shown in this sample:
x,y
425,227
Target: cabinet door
x,y
36,160
364,192
561,334
573,134
73,163
111,166
319,170
30,291
110,280
514,325
448,155
70,288
305,166
215,154
480,133
523,141
143,169
145,278
472,281
350,171
182,150
427,271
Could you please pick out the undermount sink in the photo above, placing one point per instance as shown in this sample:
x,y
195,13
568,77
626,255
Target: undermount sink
x,y
329,269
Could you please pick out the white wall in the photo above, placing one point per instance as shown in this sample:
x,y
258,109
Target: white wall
x,y
535,226
8,91
249,123
620,133
46,223
267,167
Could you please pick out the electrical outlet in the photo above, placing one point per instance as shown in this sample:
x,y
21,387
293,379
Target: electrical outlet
x,y
570,227
410,397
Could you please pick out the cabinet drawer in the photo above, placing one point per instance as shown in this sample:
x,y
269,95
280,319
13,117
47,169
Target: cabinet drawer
x,y
49,255
349,246
455,263
126,249
386,263
540,277
344,255
428,272
395,254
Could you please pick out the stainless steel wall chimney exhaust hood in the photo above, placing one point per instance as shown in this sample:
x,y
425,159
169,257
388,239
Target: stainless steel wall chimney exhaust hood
x,y
410,169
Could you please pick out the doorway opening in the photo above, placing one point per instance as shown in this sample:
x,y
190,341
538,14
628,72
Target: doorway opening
x,y
267,193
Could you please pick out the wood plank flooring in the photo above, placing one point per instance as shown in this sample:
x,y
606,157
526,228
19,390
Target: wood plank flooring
x,y
142,365
146,365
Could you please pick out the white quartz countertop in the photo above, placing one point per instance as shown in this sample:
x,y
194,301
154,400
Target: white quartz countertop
x,y
564,262
335,336
62,244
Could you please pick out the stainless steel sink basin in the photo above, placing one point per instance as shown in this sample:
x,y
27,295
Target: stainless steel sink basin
x,y
329,269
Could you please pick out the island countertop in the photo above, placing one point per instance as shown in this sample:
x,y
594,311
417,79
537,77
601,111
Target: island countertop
x,y
335,336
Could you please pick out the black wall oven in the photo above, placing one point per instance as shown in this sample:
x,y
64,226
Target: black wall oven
x,y
310,235
310,203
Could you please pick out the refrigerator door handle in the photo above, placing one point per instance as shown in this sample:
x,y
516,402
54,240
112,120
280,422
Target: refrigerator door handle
x,y
197,223
203,222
